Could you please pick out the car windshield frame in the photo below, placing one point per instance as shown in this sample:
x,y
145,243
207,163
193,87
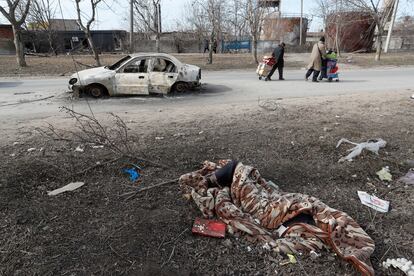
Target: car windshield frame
x,y
118,64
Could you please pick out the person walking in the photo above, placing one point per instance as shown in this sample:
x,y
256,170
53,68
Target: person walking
x,y
315,63
278,55
206,45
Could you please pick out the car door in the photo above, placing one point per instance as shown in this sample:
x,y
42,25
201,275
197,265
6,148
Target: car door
x,y
163,74
133,78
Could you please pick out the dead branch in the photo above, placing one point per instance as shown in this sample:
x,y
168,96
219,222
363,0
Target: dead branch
x,y
97,165
169,259
119,255
134,193
29,101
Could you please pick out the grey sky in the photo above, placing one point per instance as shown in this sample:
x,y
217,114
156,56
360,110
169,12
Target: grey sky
x,y
113,15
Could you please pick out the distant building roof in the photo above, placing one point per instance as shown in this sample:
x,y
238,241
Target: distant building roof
x,y
64,24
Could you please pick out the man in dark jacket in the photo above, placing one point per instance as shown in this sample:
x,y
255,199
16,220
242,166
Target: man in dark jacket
x,y
278,55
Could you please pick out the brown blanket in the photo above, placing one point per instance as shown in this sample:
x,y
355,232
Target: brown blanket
x,y
254,207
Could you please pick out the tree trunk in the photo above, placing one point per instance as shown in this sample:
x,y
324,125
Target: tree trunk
x,y
92,46
379,46
254,49
19,46
210,50
157,42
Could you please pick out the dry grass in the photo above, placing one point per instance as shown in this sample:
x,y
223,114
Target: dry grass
x,y
64,65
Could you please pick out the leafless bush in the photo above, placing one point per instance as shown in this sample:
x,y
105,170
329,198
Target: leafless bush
x,y
90,131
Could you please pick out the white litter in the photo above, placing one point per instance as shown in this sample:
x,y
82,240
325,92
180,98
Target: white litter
x,y
384,174
98,147
371,145
374,202
70,187
31,149
401,263
159,138
15,143
79,149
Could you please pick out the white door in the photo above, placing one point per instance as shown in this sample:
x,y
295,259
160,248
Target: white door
x,y
163,75
133,78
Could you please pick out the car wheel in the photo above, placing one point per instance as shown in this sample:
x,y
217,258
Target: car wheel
x,y
180,87
96,91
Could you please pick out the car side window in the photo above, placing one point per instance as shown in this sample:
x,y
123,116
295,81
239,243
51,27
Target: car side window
x,y
164,65
137,66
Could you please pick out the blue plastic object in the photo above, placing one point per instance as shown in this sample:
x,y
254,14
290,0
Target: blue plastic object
x,y
133,174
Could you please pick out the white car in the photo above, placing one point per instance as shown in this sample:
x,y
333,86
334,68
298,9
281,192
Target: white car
x,y
137,74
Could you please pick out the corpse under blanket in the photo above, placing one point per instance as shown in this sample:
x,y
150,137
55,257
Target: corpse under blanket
x,y
252,206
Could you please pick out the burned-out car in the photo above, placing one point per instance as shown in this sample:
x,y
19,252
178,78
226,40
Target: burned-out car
x,y
137,74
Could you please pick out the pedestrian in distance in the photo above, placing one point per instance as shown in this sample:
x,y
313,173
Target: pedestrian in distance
x,y
278,55
316,59
206,45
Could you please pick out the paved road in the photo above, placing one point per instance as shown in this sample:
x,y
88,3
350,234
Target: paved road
x,y
220,87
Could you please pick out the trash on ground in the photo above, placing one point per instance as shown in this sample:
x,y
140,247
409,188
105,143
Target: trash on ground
x,y
374,202
159,138
98,147
133,174
31,149
15,143
79,149
408,178
70,187
209,228
412,96
314,255
384,174
292,260
401,263
371,145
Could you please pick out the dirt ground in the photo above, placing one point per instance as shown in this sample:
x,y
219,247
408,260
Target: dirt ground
x,y
97,230
66,65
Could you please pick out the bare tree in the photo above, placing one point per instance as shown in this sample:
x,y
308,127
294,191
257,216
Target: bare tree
x,y
16,15
39,17
379,14
209,15
87,28
148,18
254,16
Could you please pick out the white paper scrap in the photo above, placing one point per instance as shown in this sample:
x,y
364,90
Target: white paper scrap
x,y
374,202
70,187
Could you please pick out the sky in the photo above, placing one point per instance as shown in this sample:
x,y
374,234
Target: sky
x,y
113,14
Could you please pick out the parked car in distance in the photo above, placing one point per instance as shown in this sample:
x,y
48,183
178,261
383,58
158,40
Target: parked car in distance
x,y
137,74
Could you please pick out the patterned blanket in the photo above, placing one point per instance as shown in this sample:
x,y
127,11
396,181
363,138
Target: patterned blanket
x,y
253,206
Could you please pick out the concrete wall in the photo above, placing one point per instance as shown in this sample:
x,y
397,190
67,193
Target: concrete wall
x,y
7,47
168,46
6,40
399,43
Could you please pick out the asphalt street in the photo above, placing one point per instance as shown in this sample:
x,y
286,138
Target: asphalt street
x,y
28,98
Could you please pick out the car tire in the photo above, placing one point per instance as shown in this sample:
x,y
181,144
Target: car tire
x,y
180,87
96,91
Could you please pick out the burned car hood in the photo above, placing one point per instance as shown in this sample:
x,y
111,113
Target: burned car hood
x,y
93,74
189,72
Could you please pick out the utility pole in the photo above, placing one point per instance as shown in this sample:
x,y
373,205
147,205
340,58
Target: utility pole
x,y
301,24
131,26
159,18
394,14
